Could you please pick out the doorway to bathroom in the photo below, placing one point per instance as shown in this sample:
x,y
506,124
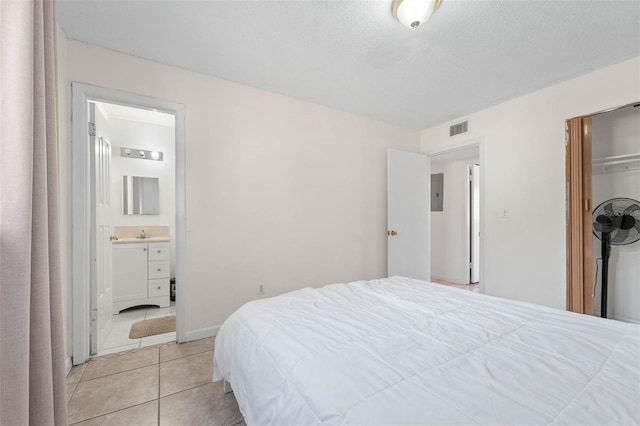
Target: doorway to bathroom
x,y
129,227
133,195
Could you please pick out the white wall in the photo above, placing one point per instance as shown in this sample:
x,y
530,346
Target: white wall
x,y
618,133
449,228
280,192
151,137
524,171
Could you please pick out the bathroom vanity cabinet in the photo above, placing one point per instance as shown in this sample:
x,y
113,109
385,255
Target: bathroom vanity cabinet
x,y
140,274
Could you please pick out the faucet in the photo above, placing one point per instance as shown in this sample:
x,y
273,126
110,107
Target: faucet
x,y
142,234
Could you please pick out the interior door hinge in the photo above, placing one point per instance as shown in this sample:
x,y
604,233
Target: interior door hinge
x,y
92,129
93,314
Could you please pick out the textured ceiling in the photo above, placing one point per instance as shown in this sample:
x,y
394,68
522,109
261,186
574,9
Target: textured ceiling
x,y
354,56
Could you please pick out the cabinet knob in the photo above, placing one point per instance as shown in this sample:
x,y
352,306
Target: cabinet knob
x,y
159,287
159,269
144,249
159,251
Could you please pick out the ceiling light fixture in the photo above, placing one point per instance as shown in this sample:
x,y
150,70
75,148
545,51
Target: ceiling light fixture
x,y
413,13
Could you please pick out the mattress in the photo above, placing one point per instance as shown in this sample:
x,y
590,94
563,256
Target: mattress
x,y
401,351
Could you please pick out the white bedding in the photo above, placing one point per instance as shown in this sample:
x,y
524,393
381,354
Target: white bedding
x,y
402,351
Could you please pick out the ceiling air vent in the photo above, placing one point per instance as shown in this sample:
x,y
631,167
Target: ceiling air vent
x,y
456,129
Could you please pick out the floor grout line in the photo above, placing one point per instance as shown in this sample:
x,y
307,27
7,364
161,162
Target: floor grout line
x,y
159,347
191,388
113,374
111,412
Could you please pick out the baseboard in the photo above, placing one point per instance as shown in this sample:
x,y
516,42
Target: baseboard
x,y
67,365
202,333
446,279
617,317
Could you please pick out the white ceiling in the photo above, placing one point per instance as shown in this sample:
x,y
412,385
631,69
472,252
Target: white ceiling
x,y
136,114
354,56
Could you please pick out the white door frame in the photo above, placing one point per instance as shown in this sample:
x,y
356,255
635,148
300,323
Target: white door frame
x,y
81,280
460,146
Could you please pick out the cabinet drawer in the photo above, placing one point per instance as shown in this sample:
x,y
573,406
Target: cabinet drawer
x,y
158,269
158,251
158,287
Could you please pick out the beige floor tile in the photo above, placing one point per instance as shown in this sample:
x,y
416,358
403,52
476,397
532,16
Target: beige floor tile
x,y
203,405
71,387
141,415
470,287
117,363
76,373
107,394
179,350
185,373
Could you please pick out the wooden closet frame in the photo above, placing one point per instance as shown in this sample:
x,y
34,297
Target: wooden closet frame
x,y
579,207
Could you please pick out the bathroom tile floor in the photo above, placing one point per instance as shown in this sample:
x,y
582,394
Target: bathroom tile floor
x,y
118,339
165,384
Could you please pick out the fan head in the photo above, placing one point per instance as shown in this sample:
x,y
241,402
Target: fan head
x,y
620,218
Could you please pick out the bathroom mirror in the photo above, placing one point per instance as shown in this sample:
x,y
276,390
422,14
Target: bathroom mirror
x,y
140,195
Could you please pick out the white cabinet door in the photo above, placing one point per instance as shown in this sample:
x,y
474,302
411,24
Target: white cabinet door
x,y
129,272
408,186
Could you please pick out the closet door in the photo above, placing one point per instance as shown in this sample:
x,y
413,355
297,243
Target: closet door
x,y
579,206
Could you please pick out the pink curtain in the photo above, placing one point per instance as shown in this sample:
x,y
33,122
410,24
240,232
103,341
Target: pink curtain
x,y
32,387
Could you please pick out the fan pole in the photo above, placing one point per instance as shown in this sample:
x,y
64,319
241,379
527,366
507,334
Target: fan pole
x,y
605,251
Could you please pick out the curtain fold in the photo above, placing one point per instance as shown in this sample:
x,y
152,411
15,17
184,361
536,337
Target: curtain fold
x,y
32,382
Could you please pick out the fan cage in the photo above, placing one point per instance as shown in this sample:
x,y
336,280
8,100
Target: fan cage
x,y
617,207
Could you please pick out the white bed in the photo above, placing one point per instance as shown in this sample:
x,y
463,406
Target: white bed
x,y
402,351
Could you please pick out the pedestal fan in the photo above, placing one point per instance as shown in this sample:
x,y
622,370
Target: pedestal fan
x,y
615,222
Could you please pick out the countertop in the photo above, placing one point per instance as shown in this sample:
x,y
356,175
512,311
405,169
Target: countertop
x,y
140,240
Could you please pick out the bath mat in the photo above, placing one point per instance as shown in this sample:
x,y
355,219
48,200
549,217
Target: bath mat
x,y
153,326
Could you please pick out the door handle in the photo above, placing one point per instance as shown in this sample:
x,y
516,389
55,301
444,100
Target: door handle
x,y
392,233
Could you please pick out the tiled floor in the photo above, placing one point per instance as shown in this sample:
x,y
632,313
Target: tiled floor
x,y
471,287
118,339
166,384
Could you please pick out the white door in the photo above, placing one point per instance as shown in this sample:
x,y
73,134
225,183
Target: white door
x,y
475,223
408,187
101,229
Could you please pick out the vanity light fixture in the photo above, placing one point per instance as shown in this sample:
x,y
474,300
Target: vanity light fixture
x,y
141,154
413,13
